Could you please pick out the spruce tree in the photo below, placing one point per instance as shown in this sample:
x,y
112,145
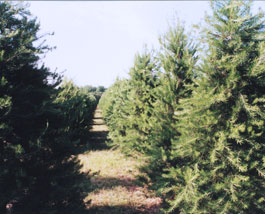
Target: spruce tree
x,y
60,186
143,81
115,108
24,91
127,106
220,153
77,107
38,173
177,59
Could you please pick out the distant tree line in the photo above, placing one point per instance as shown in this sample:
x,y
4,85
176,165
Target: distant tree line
x,y
94,91
197,111
43,123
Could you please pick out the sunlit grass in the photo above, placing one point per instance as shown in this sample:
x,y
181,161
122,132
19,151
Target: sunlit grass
x,y
109,163
114,183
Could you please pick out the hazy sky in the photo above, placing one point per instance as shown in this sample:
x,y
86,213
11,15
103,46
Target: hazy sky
x,y
97,41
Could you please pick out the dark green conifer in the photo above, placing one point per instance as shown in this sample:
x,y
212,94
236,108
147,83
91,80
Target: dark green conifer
x,y
24,93
38,173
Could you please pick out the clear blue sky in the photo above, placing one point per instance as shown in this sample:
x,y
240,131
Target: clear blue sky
x,y
97,41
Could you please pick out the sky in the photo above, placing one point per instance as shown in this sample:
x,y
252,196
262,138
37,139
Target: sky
x,y
96,41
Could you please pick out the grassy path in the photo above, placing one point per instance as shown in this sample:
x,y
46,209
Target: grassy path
x,y
115,188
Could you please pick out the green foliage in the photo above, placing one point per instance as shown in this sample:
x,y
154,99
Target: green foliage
x,y
202,126
139,106
222,141
62,184
78,108
94,91
114,110
101,89
24,94
41,124
141,111
177,60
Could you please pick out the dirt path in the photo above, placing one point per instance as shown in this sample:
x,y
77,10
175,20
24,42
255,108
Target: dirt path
x,y
115,188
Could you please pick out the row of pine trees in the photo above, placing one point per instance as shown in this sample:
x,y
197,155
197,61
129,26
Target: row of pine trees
x,y
43,123
196,109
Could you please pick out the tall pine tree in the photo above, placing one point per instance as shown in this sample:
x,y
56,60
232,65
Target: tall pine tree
x,y
220,154
114,105
177,59
143,82
37,139
24,92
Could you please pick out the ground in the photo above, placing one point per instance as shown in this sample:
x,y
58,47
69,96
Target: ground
x,y
116,189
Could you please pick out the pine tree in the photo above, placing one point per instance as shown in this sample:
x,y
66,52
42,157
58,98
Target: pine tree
x,y
24,90
220,154
78,108
141,110
143,81
37,141
127,106
115,107
177,60
59,186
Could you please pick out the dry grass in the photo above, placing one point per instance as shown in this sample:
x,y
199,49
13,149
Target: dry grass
x,y
115,189
98,123
114,184
109,163
99,128
97,114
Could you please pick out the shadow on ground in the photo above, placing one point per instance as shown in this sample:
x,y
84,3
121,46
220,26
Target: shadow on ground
x,y
98,133
110,182
129,197
122,210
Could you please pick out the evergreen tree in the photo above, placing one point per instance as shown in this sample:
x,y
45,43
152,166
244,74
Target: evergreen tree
x,y
94,91
141,98
60,187
37,139
141,112
24,91
115,110
177,62
78,108
220,154
127,106
101,89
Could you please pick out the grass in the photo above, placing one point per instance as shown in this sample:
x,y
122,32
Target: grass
x,y
114,184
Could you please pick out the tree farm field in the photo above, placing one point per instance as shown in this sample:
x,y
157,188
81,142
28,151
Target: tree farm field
x,y
114,182
182,132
